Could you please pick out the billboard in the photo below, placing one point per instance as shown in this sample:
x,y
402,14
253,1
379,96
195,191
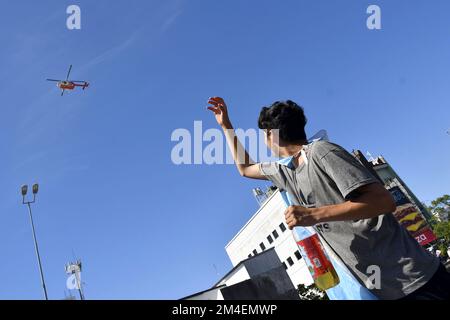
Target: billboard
x,y
409,216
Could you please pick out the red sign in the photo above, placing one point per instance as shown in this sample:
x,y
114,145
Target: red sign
x,y
409,216
425,236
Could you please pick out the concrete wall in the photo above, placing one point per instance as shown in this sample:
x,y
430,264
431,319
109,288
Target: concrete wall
x,y
273,284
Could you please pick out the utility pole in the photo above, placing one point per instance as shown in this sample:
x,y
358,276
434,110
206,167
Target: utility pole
x,y
36,247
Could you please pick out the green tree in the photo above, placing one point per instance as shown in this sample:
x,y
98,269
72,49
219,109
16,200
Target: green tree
x,y
441,207
311,293
441,226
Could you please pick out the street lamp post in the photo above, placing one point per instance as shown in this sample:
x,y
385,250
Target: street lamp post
x,y
36,247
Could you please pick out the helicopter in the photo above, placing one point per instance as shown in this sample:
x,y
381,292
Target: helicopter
x,y
69,84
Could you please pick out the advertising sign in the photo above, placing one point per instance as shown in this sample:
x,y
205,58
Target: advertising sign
x,y
409,216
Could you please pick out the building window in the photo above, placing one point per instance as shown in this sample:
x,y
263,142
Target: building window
x,y
263,247
298,255
290,261
282,227
255,252
284,265
269,238
275,234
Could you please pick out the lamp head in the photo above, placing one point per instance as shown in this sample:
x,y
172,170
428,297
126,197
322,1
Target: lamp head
x,y
24,190
35,188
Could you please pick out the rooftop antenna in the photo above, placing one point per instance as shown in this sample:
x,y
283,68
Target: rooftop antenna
x,y
74,256
73,269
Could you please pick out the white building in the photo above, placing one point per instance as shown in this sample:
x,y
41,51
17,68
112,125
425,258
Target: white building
x,y
267,229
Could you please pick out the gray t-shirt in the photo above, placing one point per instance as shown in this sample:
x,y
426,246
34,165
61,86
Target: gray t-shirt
x,y
329,177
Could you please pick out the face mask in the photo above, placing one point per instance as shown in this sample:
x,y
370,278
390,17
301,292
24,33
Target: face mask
x,y
288,161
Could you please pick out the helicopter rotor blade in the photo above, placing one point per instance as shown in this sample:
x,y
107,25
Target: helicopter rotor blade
x,y
54,80
62,93
68,73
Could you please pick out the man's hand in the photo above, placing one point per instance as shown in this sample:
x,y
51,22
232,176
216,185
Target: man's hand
x,y
245,165
298,216
367,202
220,111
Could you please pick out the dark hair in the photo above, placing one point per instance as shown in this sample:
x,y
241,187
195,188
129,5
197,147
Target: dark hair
x,y
286,116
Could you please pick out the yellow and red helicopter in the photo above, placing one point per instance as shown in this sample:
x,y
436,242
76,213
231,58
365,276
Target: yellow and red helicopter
x,y
69,84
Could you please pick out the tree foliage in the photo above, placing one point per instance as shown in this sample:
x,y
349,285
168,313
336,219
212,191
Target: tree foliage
x,y
441,227
311,293
441,207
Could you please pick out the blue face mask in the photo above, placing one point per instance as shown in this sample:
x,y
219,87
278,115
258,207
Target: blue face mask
x,y
288,161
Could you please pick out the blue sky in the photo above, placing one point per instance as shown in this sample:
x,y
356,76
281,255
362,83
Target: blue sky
x,y
145,228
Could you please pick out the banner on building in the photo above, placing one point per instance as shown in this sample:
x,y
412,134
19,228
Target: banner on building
x,y
410,217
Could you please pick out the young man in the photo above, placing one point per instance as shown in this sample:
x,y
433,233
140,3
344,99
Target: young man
x,y
350,208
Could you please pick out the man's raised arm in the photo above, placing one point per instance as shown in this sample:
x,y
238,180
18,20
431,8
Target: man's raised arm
x,y
245,165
